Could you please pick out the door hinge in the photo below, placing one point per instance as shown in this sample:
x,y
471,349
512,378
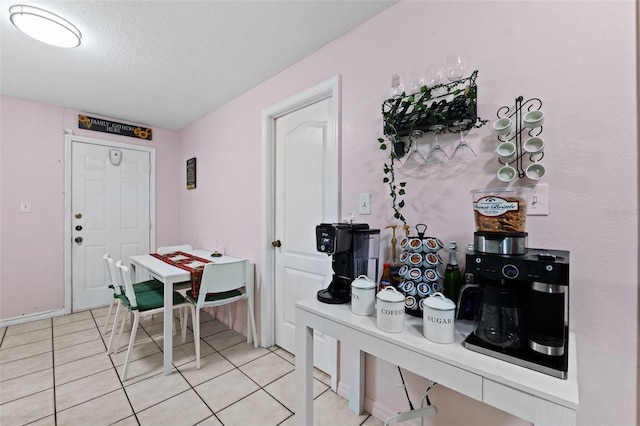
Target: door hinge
x,y
150,225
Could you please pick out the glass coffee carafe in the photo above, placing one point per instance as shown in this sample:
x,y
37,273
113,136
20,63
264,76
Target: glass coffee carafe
x,y
499,320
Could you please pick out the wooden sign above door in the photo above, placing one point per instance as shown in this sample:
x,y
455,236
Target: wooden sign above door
x,y
106,126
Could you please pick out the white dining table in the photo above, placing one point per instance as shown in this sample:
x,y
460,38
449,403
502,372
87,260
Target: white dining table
x,y
169,275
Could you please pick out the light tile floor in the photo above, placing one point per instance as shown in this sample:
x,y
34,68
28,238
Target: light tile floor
x,y
57,372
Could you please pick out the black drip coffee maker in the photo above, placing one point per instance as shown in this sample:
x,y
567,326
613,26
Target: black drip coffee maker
x,y
355,251
519,296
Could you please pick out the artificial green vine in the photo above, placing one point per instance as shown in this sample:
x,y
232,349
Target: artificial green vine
x,y
396,189
405,114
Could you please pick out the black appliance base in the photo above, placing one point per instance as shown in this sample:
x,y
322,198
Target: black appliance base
x,y
552,366
333,297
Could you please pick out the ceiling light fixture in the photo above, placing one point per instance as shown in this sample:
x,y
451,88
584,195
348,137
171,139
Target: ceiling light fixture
x,y
45,26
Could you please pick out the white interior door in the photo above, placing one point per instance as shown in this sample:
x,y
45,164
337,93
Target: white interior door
x,y
110,213
305,151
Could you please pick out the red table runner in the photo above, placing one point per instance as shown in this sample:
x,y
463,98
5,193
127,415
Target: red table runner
x,y
184,261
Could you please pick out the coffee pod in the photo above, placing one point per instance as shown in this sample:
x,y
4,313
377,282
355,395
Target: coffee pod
x,y
409,288
436,288
404,242
415,274
415,259
421,305
404,257
415,244
430,275
432,259
423,289
411,303
403,271
432,244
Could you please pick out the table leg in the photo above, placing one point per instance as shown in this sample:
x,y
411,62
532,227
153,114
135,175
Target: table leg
x,y
168,327
303,372
354,359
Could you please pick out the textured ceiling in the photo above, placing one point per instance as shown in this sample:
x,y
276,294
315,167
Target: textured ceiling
x,y
168,63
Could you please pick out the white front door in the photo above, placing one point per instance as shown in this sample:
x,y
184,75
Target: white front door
x,y
304,197
110,213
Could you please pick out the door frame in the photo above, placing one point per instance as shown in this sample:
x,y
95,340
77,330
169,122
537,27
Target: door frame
x,y
325,90
69,138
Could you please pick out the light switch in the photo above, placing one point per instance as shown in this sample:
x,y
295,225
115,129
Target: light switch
x,y
25,206
364,204
539,205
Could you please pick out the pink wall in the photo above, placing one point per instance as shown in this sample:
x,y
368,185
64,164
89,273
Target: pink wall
x,y
32,168
579,58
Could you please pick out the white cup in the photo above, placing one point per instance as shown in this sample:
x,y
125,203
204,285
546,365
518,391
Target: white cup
x,y
503,126
506,149
533,145
535,171
533,119
507,173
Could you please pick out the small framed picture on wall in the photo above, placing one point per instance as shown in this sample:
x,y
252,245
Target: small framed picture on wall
x,y
191,173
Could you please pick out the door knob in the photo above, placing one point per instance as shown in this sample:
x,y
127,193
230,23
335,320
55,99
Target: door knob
x,y
276,243
78,240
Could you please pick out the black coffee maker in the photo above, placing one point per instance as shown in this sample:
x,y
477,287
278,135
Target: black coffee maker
x,y
355,251
520,307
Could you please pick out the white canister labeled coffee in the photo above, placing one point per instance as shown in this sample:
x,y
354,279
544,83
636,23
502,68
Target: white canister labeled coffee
x,y
439,318
363,296
390,310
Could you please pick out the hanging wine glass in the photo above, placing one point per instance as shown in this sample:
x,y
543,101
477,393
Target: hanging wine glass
x,y
415,159
455,67
463,150
437,155
418,79
435,75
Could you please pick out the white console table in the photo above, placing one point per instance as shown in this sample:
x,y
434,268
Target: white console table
x,y
530,395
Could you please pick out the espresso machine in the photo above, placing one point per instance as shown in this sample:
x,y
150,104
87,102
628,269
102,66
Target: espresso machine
x,y
355,251
520,307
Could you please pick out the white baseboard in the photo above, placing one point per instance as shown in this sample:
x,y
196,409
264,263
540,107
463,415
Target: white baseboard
x,y
377,410
32,317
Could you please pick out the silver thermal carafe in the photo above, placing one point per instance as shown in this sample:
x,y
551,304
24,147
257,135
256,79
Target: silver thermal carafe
x,y
355,251
520,308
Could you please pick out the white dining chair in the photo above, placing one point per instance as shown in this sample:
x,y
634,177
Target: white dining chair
x,y
139,287
222,284
143,304
115,288
113,279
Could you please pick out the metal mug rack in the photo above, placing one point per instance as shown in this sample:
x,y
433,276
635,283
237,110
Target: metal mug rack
x,y
516,114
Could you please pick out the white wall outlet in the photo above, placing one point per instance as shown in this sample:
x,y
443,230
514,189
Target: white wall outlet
x,y
364,204
539,205
25,206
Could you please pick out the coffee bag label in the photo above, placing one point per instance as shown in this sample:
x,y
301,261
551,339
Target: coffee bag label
x,y
494,206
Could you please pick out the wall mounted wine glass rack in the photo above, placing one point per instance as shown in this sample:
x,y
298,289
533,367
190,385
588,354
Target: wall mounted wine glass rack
x,y
443,104
516,114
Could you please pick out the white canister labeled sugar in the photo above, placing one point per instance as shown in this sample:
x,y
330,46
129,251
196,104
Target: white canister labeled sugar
x,y
390,310
439,318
